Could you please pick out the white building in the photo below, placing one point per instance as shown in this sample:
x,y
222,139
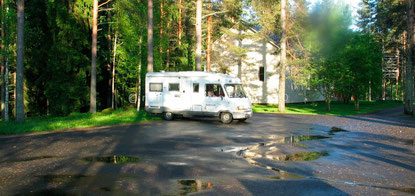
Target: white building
x,y
258,68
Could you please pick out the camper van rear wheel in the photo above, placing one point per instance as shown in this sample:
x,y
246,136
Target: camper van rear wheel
x,y
226,117
168,116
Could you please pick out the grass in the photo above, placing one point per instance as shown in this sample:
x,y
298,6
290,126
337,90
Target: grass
x,y
75,120
306,156
337,108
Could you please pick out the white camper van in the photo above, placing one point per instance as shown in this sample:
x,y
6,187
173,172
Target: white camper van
x,y
195,93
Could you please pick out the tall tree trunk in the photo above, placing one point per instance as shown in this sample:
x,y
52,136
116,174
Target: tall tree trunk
x,y
109,63
161,26
150,36
370,90
93,95
403,76
113,72
356,103
209,39
179,30
328,108
281,91
20,116
199,35
383,88
139,76
5,111
168,47
2,58
409,84
398,62
383,76
168,59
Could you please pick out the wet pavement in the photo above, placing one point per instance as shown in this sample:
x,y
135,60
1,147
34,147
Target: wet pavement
x,y
269,154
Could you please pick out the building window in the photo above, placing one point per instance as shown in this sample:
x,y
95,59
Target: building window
x,y
261,74
195,87
156,87
214,90
174,87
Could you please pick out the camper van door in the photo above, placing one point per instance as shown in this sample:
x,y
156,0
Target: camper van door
x,y
197,98
214,97
154,96
186,97
173,95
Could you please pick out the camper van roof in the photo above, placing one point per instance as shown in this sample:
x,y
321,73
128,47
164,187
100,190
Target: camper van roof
x,y
190,74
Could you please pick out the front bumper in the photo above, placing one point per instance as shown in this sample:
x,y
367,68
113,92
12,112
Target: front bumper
x,y
242,114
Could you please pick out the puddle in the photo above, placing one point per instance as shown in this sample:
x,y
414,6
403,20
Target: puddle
x,y
334,130
299,156
280,174
113,159
294,139
228,149
193,186
31,159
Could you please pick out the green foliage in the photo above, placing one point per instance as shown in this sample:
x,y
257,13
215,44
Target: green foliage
x,y
363,57
386,21
68,63
327,36
37,46
342,62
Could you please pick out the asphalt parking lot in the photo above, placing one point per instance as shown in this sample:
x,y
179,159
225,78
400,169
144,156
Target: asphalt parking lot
x,y
269,154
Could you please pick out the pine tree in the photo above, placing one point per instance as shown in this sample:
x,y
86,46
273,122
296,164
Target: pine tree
x,y
150,36
93,95
409,83
20,115
283,63
5,59
199,35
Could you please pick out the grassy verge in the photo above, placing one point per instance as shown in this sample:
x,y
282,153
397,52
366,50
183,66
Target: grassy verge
x,y
337,108
76,120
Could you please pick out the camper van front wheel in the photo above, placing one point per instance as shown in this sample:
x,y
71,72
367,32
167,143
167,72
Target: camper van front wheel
x,y
168,116
226,117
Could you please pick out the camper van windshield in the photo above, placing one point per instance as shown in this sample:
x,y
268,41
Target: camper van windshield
x,y
235,91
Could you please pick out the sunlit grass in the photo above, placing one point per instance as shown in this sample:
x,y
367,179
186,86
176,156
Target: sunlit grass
x,y
337,108
306,156
75,120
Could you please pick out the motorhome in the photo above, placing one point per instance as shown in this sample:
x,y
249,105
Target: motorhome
x,y
196,93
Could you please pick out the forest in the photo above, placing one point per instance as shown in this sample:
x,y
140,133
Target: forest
x,y
76,56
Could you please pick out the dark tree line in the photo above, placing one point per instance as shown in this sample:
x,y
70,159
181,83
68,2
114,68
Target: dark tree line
x,y
74,63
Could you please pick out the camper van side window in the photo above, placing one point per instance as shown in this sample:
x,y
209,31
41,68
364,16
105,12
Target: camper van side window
x,y
174,87
195,87
214,90
156,87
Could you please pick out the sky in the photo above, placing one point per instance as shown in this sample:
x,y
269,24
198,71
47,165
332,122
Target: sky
x,y
354,5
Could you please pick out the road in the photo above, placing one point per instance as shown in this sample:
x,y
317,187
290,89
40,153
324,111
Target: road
x,y
371,154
